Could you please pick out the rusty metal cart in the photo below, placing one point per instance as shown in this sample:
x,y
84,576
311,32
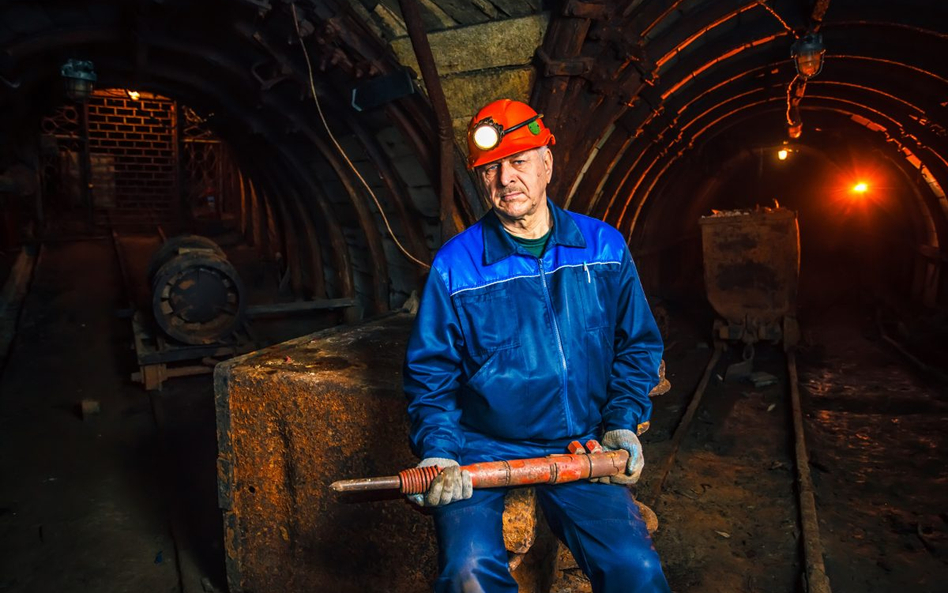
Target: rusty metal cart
x,y
751,268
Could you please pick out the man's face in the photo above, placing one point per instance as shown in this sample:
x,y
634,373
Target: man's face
x,y
517,184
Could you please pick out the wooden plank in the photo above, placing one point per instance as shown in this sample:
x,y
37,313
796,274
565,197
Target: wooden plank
x,y
463,11
515,8
299,307
443,18
391,22
11,299
565,39
431,22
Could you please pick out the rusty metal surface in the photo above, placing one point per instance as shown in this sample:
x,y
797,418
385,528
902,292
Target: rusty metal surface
x,y
291,419
751,263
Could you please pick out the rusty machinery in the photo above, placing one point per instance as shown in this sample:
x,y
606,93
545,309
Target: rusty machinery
x,y
197,296
751,267
198,310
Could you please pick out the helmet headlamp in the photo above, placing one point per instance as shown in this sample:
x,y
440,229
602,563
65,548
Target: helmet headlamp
x,y
487,134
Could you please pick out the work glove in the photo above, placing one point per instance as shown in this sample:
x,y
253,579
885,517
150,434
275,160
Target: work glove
x,y
614,440
450,485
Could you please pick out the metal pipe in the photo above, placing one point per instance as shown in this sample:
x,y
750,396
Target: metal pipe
x,y
429,72
816,579
552,469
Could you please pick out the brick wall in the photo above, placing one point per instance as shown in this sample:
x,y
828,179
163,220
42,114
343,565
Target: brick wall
x,y
138,141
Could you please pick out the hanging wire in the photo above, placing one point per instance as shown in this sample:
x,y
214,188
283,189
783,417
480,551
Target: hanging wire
x,y
763,4
312,87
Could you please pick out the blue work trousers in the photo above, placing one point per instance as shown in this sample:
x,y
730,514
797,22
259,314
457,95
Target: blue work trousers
x,y
600,524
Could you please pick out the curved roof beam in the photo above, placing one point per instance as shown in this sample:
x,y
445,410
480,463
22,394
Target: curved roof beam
x,y
618,153
725,55
237,75
640,191
635,121
177,79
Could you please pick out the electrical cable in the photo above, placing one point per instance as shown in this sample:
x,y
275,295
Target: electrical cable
x,y
763,4
312,86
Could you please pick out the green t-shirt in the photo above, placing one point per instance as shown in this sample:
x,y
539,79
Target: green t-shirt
x,y
534,246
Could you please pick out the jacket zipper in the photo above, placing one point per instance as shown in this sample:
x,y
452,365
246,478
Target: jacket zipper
x,y
588,277
559,344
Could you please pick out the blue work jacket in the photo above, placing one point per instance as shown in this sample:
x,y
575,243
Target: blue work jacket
x,y
513,347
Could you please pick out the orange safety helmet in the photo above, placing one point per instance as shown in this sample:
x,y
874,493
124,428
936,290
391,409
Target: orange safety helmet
x,y
503,128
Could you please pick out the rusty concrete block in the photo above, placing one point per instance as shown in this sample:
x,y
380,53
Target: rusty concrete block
x,y
295,417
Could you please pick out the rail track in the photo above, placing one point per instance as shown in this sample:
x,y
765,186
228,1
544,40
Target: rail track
x,y
803,481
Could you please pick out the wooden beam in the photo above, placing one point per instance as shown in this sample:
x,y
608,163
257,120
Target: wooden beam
x,y
274,309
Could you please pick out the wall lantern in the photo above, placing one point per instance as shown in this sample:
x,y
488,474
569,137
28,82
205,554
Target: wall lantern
x,y
807,53
79,79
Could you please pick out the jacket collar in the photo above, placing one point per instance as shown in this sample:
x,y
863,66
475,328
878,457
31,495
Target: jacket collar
x,y
499,244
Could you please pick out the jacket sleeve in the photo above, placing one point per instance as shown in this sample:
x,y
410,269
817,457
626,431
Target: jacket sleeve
x,y
638,353
431,374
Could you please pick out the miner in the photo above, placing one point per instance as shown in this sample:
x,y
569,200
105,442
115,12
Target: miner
x,y
533,331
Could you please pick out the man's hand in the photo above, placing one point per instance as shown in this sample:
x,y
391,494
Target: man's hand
x,y
450,485
624,439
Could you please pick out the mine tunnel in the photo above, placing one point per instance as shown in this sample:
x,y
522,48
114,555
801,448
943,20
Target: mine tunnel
x,y
218,218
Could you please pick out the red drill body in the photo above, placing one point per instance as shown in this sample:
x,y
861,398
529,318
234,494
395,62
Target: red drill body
x,y
552,469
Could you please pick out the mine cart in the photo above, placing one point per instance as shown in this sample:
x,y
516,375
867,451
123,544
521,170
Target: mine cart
x,y
751,266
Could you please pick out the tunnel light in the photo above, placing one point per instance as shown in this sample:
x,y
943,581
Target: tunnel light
x,y
133,95
861,187
807,53
79,79
782,154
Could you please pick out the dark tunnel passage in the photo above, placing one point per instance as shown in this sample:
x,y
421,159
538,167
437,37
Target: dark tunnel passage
x,y
856,246
321,147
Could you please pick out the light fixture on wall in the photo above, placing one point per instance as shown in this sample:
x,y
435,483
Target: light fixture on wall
x,y
807,53
79,79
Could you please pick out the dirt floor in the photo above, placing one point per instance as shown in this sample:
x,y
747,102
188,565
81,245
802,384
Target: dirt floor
x,y
877,436
104,501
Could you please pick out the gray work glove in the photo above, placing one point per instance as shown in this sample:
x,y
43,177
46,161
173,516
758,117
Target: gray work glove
x,y
624,439
450,485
